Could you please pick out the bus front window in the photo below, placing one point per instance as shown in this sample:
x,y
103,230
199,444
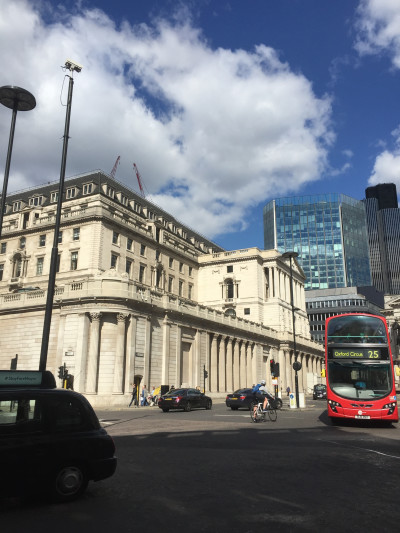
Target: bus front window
x,y
358,381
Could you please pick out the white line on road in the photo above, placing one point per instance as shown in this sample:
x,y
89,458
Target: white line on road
x,y
359,448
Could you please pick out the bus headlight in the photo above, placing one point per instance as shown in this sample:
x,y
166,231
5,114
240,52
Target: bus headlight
x,y
333,405
391,406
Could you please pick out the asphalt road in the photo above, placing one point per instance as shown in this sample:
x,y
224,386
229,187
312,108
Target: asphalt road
x,y
216,471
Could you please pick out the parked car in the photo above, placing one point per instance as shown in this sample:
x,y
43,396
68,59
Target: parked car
x,y
245,398
50,439
186,399
319,392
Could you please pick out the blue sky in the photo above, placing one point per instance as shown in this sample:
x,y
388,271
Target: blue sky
x,y
223,105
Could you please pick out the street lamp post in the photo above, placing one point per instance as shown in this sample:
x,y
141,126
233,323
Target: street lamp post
x,y
16,99
296,364
72,67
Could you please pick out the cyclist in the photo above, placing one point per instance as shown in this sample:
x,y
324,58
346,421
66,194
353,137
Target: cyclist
x,y
262,394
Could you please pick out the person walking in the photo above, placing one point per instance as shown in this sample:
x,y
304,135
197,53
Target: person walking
x,y
134,396
143,396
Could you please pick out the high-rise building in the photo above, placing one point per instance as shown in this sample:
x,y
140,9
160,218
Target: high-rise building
x,y
383,223
328,231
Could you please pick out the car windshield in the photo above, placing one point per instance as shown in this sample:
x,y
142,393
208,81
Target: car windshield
x,y
319,387
176,392
356,380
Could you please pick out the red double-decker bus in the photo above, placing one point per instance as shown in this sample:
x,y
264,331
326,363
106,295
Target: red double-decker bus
x,y
359,368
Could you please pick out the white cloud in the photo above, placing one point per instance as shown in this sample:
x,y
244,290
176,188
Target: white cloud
x,y
213,132
378,28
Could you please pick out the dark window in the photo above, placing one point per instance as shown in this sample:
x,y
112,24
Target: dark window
x,y
247,310
229,268
42,240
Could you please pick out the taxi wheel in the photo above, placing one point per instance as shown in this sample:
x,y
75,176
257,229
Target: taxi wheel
x,y
69,482
208,405
188,407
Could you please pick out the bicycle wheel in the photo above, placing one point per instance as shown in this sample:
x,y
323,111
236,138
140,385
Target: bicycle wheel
x,y
273,415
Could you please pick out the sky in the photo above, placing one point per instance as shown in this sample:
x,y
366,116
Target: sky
x,y
223,105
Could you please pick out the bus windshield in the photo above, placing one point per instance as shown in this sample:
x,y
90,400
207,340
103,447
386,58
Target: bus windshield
x,y
356,330
360,381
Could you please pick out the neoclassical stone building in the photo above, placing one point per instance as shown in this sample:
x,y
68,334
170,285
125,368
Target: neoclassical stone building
x,y
141,298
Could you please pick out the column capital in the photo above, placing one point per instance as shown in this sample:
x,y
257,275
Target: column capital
x,y
95,316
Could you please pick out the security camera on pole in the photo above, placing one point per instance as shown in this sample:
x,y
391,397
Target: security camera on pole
x,y
71,67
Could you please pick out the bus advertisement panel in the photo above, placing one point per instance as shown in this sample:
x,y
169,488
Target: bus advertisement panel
x,y
359,368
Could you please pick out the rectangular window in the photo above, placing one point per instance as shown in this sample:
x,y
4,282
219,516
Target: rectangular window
x,y
35,201
124,200
60,233
22,243
114,259
190,291
128,267
76,234
16,206
229,268
170,284
142,273
42,240
181,267
71,192
3,248
115,237
53,197
110,192
74,260
142,250
39,266
158,255
190,271
180,288
247,310
1,271
171,262
129,243
87,188
58,263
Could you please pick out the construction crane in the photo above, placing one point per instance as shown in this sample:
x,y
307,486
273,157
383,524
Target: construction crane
x,y
139,180
114,170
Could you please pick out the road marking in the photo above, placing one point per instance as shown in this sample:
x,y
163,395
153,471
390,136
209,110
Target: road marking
x,y
360,448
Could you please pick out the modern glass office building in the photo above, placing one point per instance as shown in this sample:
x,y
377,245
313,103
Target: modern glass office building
x,y
328,231
383,223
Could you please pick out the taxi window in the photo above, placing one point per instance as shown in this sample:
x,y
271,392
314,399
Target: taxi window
x,y
20,414
64,413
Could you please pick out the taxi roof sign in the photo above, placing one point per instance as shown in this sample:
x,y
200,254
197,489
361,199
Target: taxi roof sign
x,y
27,378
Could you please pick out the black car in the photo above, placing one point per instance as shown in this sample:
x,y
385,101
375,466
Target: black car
x,y
246,398
186,399
50,439
319,392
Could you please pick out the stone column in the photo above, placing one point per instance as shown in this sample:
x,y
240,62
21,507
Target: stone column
x,y
229,366
221,366
243,364
93,356
130,353
282,371
165,352
178,357
81,354
254,362
214,364
147,353
249,365
236,366
119,354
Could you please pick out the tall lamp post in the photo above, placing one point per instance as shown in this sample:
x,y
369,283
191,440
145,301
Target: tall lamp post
x,y
296,363
72,67
16,99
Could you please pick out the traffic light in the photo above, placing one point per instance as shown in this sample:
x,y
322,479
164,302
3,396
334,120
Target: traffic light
x,y
272,363
61,372
205,374
276,370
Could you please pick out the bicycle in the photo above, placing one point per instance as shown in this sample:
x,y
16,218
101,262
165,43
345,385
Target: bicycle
x,y
258,415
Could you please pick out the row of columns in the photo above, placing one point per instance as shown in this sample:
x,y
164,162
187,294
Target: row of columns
x,y
232,363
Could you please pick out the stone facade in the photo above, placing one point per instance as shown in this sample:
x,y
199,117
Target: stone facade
x,y
141,298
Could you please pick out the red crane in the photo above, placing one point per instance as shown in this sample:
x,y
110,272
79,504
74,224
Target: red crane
x,y
114,170
139,180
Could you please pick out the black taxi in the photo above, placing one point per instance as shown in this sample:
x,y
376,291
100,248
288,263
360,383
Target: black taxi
x,y
50,439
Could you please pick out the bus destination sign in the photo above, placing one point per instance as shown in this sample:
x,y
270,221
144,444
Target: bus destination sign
x,y
359,353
